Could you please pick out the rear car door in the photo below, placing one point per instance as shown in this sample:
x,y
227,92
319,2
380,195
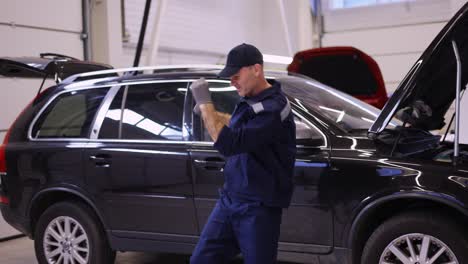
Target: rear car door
x,y
51,157
138,163
307,224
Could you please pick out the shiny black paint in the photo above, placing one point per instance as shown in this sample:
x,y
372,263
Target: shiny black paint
x,y
157,195
142,186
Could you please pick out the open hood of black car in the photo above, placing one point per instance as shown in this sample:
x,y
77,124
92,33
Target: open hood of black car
x,y
56,67
431,82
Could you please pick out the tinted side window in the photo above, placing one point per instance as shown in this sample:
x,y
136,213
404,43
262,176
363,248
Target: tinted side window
x,y
225,99
70,115
307,134
224,96
152,112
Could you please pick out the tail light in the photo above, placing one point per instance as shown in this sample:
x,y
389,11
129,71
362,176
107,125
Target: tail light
x,y
3,169
4,200
2,154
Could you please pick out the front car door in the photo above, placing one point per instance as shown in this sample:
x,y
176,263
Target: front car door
x,y
206,162
139,164
314,232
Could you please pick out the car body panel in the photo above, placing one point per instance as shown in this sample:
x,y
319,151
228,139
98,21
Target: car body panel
x,y
142,179
334,182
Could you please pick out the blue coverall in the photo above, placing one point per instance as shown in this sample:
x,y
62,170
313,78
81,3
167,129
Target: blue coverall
x,y
259,146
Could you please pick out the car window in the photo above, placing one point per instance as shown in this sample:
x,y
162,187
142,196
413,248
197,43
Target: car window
x,y
307,133
224,96
70,115
225,99
152,112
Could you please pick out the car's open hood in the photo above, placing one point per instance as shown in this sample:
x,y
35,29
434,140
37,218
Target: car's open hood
x,y
432,79
347,69
59,68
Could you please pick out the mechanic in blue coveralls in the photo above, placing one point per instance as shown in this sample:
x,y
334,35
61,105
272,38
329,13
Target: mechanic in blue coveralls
x,y
258,142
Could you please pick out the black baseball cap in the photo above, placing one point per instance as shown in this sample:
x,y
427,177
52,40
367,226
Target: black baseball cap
x,y
241,56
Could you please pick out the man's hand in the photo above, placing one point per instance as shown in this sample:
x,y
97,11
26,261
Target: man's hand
x,y
201,93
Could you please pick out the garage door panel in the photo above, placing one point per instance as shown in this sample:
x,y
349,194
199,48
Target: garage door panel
x,y
391,87
390,15
18,41
395,67
44,13
386,40
16,94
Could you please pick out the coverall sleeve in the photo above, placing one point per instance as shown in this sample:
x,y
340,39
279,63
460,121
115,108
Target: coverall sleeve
x,y
264,128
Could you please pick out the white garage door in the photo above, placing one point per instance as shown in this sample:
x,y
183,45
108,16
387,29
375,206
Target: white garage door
x,y
27,29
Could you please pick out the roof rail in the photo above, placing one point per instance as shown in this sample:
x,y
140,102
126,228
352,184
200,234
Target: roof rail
x,y
155,69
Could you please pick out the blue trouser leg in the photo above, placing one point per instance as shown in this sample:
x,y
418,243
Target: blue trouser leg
x,y
235,227
257,229
217,243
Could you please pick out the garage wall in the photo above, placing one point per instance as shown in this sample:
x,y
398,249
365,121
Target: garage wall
x,y
193,31
28,28
395,35
25,33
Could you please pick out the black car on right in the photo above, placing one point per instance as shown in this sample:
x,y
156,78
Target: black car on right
x,y
103,162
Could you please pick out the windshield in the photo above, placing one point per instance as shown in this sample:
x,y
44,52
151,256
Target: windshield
x,y
344,110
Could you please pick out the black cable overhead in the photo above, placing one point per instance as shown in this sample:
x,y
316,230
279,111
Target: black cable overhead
x,y
142,34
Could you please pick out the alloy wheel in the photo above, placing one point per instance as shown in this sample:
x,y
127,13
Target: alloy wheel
x,y
66,242
417,248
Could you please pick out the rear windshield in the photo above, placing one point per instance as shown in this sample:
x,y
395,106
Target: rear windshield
x,y
70,115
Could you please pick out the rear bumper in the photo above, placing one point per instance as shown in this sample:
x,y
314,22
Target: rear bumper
x,y
20,223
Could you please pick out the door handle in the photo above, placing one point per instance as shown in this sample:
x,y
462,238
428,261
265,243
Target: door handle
x,y
210,164
205,162
101,160
97,158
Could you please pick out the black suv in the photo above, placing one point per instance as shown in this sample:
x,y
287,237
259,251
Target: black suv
x,y
104,162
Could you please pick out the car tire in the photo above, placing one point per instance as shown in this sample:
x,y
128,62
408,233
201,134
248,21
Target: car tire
x,y
71,230
423,231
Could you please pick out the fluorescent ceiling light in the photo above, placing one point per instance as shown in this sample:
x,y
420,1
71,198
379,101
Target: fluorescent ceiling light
x,y
277,59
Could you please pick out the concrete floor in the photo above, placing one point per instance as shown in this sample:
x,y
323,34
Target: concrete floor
x,y
21,251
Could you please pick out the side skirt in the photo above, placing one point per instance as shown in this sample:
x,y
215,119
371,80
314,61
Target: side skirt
x,y
183,244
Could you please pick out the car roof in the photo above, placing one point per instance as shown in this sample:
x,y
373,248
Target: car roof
x,y
174,72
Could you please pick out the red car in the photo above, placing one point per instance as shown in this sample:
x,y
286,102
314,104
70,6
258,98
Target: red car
x,y
344,68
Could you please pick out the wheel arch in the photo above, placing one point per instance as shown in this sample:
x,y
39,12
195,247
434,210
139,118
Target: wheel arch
x,y
43,199
377,211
